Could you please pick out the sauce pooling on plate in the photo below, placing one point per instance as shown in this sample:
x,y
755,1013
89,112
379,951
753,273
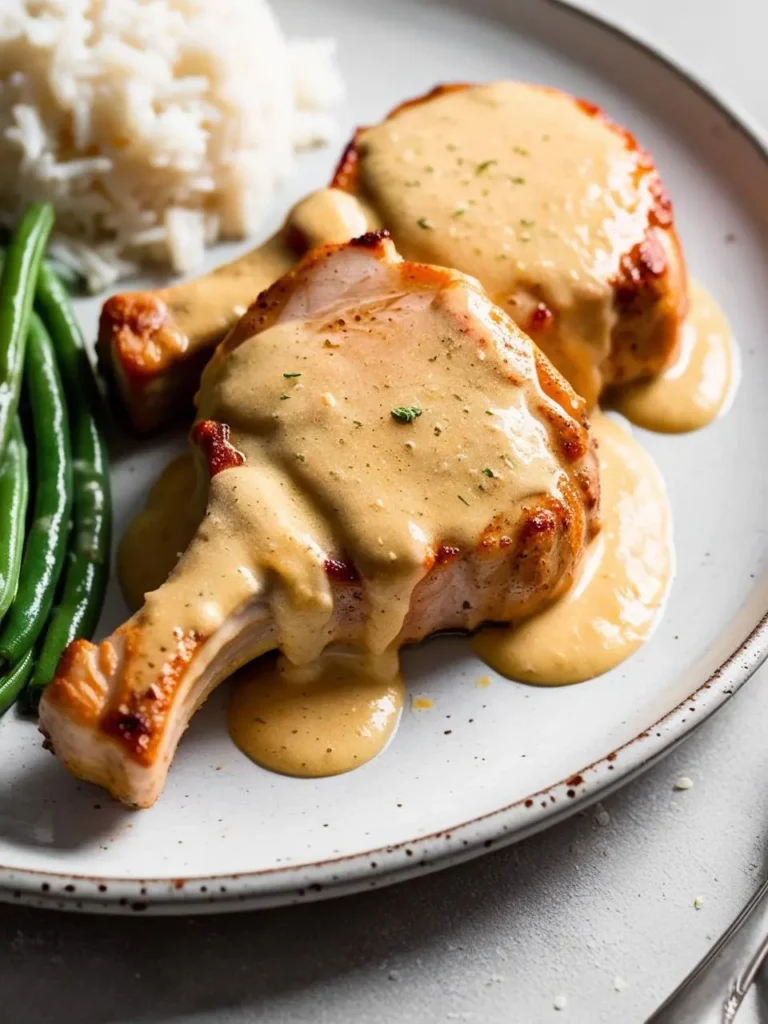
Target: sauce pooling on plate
x,y
319,720
699,385
620,587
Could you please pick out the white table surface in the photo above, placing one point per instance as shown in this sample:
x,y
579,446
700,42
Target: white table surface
x,y
599,912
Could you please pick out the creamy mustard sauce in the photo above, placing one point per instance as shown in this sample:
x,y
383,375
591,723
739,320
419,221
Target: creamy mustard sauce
x,y
314,722
159,533
205,308
698,387
516,186
380,418
620,588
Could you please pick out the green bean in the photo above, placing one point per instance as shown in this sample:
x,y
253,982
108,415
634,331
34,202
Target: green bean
x,y
17,290
69,276
13,682
87,567
14,491
46,542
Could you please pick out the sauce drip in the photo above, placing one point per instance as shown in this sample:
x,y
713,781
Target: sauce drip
x,y
160,532
205,308
699,385
317,721
620,587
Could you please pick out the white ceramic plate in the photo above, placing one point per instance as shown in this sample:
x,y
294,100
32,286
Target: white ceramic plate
x,y
485,765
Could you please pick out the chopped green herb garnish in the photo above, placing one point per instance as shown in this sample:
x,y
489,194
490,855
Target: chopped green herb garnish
x,y
488,471
527,223
484,166
429,169
459,212
463,499
521,151
284,398
357,423
489,412
291,375
425,223
517,180
406,413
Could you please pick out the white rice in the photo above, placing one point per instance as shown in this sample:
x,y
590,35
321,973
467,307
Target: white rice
x,y
155,127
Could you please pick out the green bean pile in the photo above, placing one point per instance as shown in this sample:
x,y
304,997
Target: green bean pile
x,y
54,556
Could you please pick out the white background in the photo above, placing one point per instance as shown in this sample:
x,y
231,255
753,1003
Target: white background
x,y
602,914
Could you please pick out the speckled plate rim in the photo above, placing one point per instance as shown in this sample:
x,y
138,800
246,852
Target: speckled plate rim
x,y
385,865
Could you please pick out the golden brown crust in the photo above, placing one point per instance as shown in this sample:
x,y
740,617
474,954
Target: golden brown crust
x,y
213,440
140,348
135,721
651,302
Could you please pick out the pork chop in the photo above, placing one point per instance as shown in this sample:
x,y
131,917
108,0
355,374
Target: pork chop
x,y
387,455
557,211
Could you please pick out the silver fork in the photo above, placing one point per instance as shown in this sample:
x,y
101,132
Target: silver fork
x,y
715,989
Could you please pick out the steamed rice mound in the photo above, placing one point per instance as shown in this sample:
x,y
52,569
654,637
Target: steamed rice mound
x,y
155,127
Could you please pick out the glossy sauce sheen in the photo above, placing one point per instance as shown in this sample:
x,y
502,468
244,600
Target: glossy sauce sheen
x,y
314,722
523,189
620,588
697,388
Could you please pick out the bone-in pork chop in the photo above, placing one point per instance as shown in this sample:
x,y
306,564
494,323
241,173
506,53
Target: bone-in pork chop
x,y
388,455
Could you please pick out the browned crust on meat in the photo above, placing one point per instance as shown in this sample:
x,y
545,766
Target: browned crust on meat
x,y
651,300
213,440
76,685
345,175
135,722
138,344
